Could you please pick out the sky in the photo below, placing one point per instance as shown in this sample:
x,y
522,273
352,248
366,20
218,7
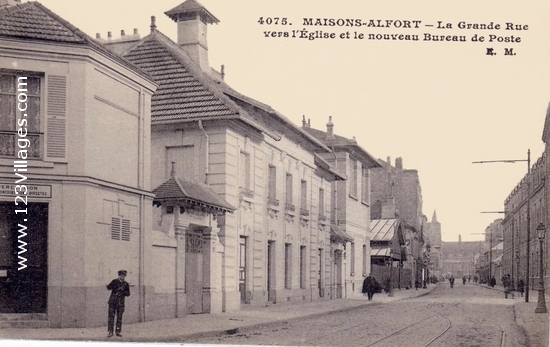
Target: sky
x,y
439,105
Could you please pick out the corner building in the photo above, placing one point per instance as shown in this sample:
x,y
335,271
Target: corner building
x,y
87,171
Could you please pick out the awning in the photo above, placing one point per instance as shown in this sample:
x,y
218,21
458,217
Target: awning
x,y
497,260
380,252
337,234
383,252
383,229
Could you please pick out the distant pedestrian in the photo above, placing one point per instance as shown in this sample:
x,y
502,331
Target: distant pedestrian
x,y
507,283
120,289
521,286
464,280
492,282
370,285
475,279
452,281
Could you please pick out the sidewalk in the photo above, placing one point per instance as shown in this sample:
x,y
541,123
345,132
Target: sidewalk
x,y
535,324
194,326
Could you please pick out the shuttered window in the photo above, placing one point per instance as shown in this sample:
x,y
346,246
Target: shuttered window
x,y
22,109
120,229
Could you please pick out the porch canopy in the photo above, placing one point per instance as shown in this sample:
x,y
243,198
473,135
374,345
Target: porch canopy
x,y
191,194
338,234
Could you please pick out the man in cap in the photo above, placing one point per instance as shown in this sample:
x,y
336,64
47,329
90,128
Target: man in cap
x,y
119,290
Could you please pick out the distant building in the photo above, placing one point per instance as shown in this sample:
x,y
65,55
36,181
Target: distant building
x,y
458,258
399,190
433,238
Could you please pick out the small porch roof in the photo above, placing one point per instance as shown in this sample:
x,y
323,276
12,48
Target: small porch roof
x,y
339,235
180,189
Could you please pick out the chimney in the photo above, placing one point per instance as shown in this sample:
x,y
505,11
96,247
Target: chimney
x,y
304,123
459,238
9,3
330,128
399,163
192,19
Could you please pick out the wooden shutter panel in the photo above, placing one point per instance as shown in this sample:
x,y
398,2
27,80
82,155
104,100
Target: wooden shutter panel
x,y
56,112
115,228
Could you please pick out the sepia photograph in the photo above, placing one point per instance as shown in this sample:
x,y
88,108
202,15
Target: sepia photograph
x,y
274,173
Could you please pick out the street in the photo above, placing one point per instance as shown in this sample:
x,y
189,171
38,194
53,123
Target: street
x,y
466,315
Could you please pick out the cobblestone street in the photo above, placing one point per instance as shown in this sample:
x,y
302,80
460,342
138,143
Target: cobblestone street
x,y
466,315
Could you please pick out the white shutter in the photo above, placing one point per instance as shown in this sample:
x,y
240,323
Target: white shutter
x,y
56,112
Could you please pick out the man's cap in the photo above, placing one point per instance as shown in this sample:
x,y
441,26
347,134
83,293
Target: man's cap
x,y
122,272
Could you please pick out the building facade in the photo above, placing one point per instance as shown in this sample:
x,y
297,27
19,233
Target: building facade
x,y
459,258
528,195
75,190
400,188
350,213
278,246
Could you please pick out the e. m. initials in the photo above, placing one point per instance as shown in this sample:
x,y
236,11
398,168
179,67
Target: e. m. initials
x,y
507,51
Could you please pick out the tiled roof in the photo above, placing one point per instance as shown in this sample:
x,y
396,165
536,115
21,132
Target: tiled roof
x,y
180,95
33,21
177,188
191,6
340,141
337,141
30,21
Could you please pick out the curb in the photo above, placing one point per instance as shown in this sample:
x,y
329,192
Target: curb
x,y
221,332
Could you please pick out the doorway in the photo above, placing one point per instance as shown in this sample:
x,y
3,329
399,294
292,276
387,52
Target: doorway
x,y
23,258
193,271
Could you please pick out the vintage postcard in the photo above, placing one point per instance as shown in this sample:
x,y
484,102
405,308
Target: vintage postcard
x,y
293,173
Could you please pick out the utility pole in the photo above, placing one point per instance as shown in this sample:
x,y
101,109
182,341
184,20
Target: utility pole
x,y
528,246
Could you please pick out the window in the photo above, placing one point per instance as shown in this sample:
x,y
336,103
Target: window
x,y
20,127
321,203
353,178
244,171
365,185
303,256
289,189
120,229
288,266
272,183
304,209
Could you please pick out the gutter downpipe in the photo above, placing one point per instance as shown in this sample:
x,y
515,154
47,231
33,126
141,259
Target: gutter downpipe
x,y
201,127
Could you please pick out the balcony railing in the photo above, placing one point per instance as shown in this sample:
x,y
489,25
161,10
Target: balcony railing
x,y
9,148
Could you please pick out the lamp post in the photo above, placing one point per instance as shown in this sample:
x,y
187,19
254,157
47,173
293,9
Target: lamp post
x,y
528,160
541,304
